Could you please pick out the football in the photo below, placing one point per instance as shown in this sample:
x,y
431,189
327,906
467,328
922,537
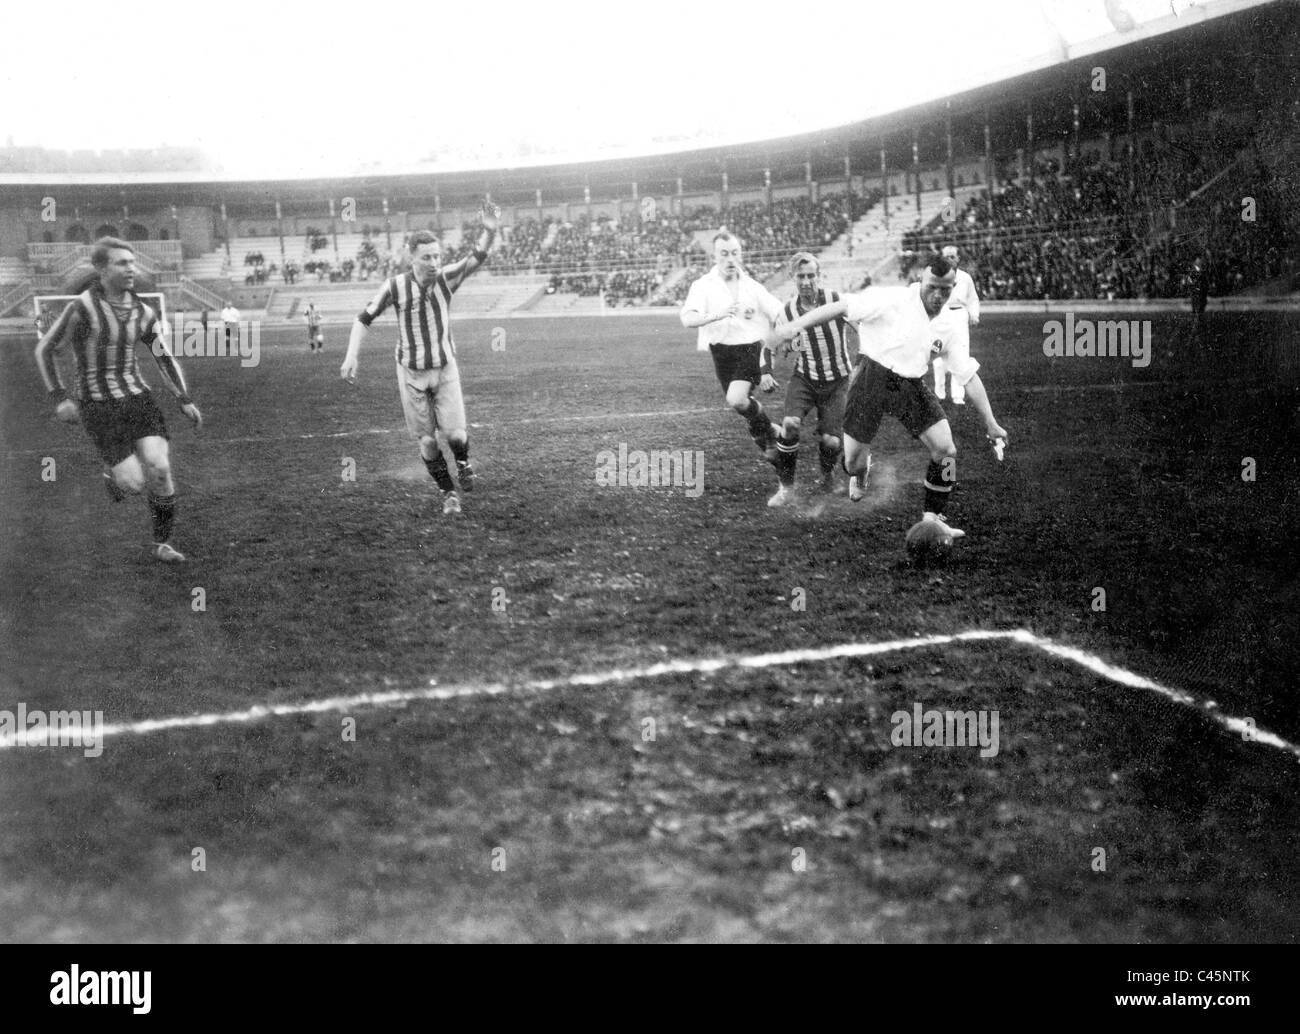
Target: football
x,y
928,540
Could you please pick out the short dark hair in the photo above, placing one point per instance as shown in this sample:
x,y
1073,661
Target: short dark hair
x,y
421,237
725,235
99,251
939,266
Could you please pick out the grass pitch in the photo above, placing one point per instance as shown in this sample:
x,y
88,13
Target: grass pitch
x,y
741,805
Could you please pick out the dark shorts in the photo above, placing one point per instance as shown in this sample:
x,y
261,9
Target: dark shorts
x,y
736,363
116,425
877,391
803,395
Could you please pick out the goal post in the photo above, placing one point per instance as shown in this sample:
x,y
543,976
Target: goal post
x,y
49,307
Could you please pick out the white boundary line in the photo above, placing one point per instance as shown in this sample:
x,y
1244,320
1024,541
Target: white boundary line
x,y
1091,662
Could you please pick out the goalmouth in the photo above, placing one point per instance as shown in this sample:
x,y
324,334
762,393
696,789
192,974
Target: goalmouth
x,y
51,306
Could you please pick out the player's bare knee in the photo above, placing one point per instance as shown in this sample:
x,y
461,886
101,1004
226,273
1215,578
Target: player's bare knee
x,y
158,476
830,441
738,399
791,426
129,479
428,446
457,437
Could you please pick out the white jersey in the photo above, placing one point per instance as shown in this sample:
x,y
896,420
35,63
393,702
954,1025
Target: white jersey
x,y
950,345
895,330
710,294
893,327
964,297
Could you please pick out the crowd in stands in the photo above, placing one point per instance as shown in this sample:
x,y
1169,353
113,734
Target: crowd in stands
x,y
1092,233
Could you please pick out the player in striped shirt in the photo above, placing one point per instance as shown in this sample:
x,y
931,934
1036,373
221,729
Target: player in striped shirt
x,y
428,379
105,325
315,340
820,382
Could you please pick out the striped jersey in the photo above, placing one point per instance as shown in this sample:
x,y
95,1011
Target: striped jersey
x,y
824,351
423,318
104,337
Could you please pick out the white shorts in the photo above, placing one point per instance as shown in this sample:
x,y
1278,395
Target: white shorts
x,y
431,400
952,345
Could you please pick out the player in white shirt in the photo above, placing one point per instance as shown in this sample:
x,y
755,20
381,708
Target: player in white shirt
x,y
898,330
963,298
734,314
230,319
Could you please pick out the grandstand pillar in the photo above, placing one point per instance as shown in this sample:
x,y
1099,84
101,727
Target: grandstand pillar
x,y
225,230
916,169
334,233
1130,143
884,186
1029,141
988,157
724,202
767,188
948,136
1074,145
279,229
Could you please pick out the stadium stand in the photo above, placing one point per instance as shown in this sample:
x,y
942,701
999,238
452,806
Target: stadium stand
x,y
1119,206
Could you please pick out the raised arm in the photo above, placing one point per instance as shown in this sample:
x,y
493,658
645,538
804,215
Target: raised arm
x,y
455,274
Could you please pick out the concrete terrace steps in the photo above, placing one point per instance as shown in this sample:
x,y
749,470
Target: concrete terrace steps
x,y
482,295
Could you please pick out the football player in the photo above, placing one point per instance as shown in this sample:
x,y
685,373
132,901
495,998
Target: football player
x,y
315,340
896,339
105,325
963,299
820,381
428,377
733,313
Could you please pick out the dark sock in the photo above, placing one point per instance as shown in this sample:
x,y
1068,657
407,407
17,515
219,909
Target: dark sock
x,y
937,487
437,468
460,450
760,428
163,508
828,457
787,456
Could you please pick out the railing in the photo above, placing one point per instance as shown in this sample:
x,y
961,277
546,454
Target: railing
x,y
983,236
62,258
201,294
16,295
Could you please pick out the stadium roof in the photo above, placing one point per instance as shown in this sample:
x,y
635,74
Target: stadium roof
x,y
1051,77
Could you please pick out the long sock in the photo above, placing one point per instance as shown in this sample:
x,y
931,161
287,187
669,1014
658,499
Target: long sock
x,y
940,480
760,428
787,456
460,450
437,468
163,509
829,457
